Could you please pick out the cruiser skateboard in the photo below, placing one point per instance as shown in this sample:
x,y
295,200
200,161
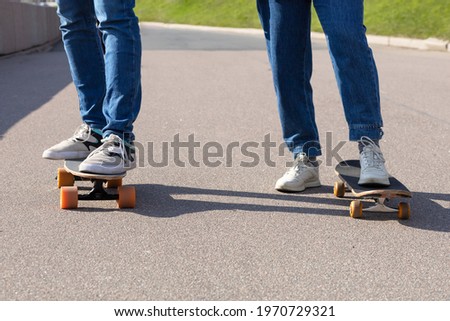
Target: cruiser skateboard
x,y
348,173
105,187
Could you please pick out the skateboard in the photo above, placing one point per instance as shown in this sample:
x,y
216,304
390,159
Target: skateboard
x,y
348,173
105,187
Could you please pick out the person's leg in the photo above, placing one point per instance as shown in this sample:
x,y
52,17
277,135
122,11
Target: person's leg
x,y
357,79
286,25
119,27
84,52
354,65
85,55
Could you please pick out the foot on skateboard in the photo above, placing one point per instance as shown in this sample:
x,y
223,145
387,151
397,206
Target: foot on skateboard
x,y
348,173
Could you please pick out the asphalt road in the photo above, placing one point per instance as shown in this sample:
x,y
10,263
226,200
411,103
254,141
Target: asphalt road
x,y
215,228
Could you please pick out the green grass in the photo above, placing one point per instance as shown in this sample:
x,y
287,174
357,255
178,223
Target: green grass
x,y
229,13
409,18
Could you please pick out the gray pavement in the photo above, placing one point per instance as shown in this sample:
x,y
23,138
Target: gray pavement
x,y
222,233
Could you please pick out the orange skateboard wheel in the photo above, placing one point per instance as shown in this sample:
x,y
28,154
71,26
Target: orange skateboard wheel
x,y
127,197
404,211
114,183
64,178
339,189
356,209
69,197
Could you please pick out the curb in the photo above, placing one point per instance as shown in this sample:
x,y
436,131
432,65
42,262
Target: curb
x,y
45,47
430,44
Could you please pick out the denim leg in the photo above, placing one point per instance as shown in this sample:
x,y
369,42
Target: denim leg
x,y
286,25
84,52
354,65
119,27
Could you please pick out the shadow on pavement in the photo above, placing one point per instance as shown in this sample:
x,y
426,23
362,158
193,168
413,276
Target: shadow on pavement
x,y
429,213
171,201
163,201
29,81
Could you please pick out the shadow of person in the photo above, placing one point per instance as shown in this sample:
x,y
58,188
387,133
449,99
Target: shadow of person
x,y
27,82
428,212
171,201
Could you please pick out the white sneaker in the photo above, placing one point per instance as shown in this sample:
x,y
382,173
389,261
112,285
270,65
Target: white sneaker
x,y
301,176
373,170
80,145
114,156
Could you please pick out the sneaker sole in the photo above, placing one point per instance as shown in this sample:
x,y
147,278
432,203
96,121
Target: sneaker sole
x,y
375,181
96,169
64,155
300,189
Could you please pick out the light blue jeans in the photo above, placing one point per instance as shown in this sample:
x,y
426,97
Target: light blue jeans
x,y
108,82
287,25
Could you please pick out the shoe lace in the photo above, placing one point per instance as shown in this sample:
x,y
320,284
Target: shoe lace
x,y
301,162
82,133
371,154
110,145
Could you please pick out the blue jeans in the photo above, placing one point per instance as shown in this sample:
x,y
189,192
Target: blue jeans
x,y
108,82
287,25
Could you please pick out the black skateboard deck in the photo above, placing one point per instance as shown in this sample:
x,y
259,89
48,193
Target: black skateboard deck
x,y
348,172
102,184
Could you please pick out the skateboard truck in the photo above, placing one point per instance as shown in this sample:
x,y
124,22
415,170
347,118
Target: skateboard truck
x,y
381,206
356,207
69,195
97,193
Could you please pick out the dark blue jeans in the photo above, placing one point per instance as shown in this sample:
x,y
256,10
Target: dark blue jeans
x,y
287,25
108,83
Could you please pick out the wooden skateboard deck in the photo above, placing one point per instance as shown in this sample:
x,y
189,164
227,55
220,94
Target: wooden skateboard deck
x,y
69,194
348,172
73,167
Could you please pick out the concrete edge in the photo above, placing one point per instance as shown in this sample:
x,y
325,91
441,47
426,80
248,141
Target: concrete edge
x,y
45,47
26,25
430,44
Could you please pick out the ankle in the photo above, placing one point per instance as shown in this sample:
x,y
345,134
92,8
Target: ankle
x,y
308,160
361,145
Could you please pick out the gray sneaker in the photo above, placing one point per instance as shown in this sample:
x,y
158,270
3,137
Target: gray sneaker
x,y
302,175
373,170
80,145
114,156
